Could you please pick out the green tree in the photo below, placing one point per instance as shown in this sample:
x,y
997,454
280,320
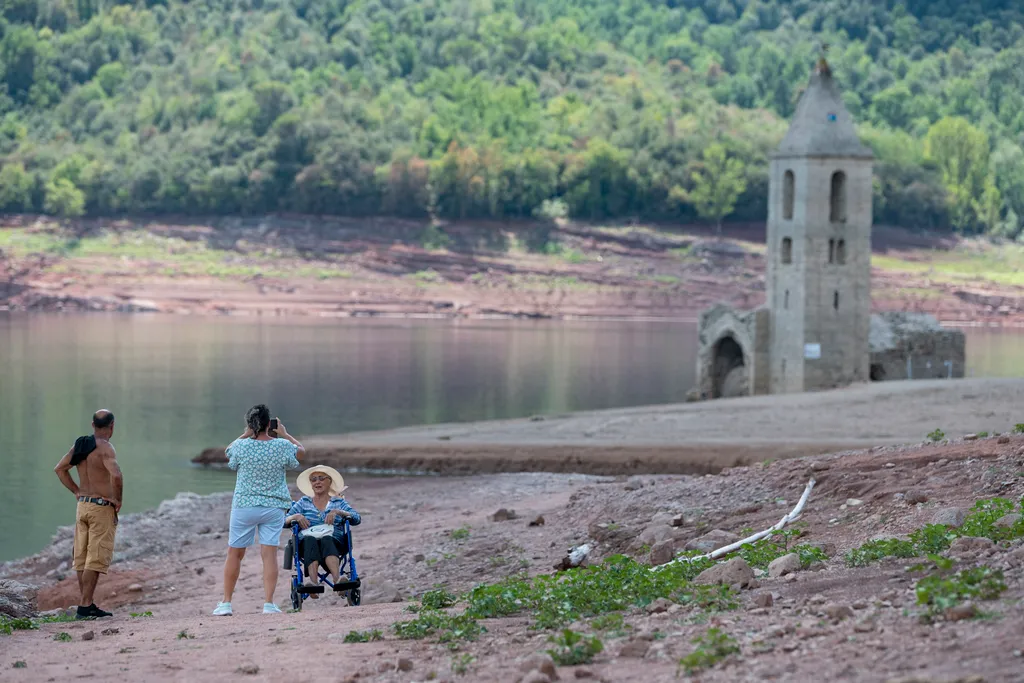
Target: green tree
x,y
64,199
15,188
961,153
717,185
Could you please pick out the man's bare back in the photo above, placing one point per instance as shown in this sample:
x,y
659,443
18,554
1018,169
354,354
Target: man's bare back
x,y
95,475
99,475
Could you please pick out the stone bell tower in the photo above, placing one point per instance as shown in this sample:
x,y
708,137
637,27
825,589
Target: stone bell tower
x,y
819,246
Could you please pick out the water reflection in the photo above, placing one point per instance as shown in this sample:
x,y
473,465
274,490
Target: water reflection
x,y
178,385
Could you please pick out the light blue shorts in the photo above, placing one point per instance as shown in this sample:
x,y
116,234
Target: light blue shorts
x,y
246,521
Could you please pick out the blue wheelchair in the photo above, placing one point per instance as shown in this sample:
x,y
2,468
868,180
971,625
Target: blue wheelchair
x,y
349,586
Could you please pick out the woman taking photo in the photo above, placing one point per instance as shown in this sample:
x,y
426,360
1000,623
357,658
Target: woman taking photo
x,y
262,456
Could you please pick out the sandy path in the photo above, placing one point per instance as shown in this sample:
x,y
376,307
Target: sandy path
x,y
182,589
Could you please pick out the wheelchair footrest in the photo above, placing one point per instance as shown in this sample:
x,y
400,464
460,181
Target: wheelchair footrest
x,y
347,585
310,589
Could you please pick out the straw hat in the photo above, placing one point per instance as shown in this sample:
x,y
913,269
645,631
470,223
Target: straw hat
x,y
306,486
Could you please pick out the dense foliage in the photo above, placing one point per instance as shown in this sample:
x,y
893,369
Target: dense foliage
x,y
488,108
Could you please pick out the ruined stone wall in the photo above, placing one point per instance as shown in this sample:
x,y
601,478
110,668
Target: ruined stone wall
x,y
719,376
914,346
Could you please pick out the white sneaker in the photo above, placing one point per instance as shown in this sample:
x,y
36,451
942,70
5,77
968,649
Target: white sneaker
x,y
271,608
223,609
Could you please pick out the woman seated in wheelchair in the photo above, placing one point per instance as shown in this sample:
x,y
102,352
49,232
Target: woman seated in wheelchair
x,y
322,504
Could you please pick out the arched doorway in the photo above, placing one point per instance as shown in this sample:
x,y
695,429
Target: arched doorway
x,y
729,374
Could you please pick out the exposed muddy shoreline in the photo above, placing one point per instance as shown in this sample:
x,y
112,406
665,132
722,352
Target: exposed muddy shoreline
x,y
691,438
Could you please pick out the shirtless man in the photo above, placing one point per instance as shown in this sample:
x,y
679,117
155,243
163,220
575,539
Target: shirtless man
x,y
99,501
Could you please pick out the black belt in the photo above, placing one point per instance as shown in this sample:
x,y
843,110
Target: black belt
x,y
94,501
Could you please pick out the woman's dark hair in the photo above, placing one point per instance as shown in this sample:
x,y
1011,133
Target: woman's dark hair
x,y
258,419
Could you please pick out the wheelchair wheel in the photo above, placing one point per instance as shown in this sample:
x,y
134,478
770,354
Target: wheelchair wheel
x,y
296,599
354,597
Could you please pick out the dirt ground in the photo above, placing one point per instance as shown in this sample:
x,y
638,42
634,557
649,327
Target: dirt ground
x,y
355,268
405,546
686,438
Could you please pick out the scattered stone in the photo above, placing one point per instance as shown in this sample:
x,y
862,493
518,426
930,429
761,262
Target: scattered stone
x,y
812,632
573,558
961,612
915,496
764,599
419,557
838,612
248,669
135,588
503,515
200,571
1004,439
535,677
820,466
655,533
110,631
971,544
633,484
584,673
787,564
539,521
1008,521
952,517
17,600
659,606
542,663
385,667
635,648
860,604
678,520
404,664
734,572
853,502
864,626
970,437
88,635
662,553
711,541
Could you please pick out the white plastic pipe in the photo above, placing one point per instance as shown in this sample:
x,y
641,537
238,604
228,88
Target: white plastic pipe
x,y
793,515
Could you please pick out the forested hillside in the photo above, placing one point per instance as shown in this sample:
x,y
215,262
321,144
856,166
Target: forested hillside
x,y
606,109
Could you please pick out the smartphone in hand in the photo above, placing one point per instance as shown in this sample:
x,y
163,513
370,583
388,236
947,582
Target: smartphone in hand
x,y
272,429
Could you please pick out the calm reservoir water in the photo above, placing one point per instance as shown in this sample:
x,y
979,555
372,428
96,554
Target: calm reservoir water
x,y
178,385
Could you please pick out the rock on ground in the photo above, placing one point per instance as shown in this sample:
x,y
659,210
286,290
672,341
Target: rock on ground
x,y
731,573
17,599
953,517
787,564
713,540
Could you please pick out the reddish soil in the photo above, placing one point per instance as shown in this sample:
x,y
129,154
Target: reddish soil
x,y
631,273
405,547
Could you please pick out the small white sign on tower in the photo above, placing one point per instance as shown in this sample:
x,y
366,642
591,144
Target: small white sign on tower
x,y
812,351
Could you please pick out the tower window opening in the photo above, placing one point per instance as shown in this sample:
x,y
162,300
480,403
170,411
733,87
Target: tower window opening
x,y
831,251
841,252
837,198
835,300
785,301
787,250
788,183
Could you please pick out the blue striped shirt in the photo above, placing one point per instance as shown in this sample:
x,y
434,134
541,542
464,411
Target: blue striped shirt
x,y
304,506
